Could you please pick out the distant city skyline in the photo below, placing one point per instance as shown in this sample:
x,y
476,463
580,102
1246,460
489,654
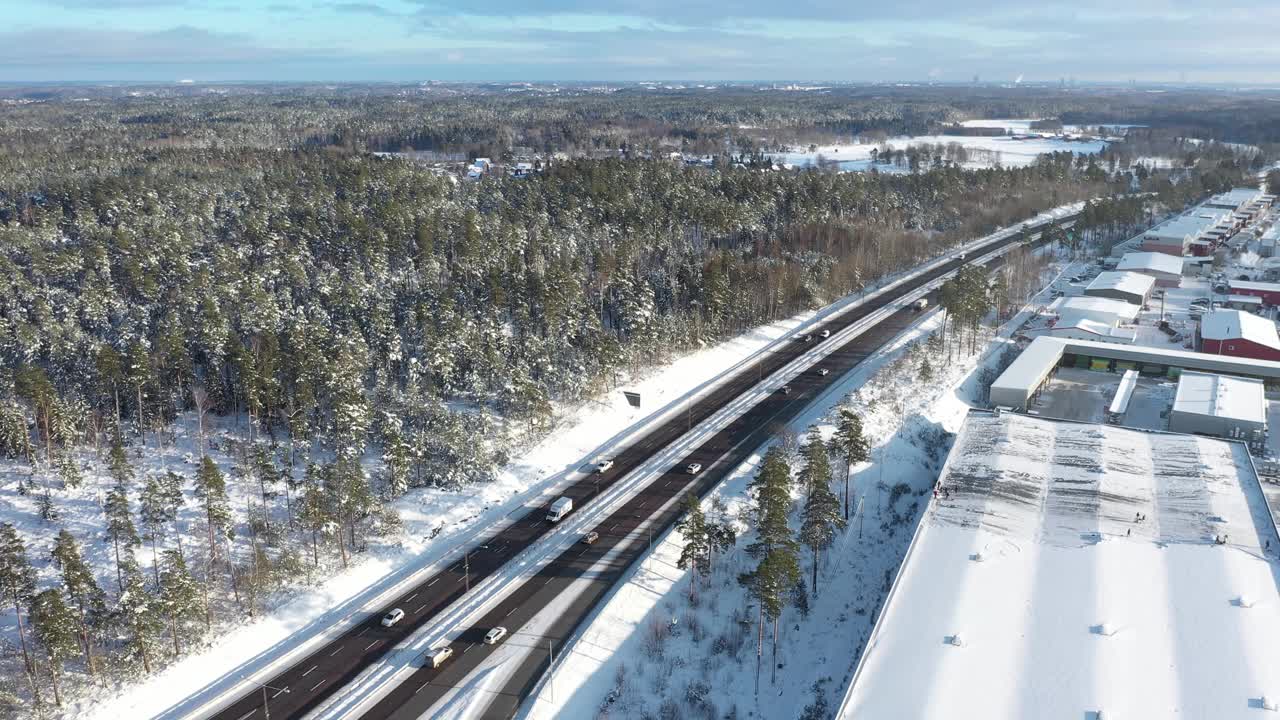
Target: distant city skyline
x,y
630,40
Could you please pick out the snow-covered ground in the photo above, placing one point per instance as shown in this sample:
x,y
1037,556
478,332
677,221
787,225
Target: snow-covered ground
x,y
1032,590
651,645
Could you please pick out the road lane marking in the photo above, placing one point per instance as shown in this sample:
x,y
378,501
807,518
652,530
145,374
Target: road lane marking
x,y
335,652
248,714
313,687
415,612
510,611
548,580
375,642
411,597
362,632
415,692
313,667
433,582
281,690
464,652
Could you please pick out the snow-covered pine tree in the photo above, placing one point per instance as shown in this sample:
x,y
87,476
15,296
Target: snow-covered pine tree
x,y
55,627
82,589
17,587
121,531
179,596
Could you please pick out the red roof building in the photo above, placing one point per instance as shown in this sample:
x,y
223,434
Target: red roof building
x,y
1239,334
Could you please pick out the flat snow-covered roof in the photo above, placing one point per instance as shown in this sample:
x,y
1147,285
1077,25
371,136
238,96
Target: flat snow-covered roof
x,y
1238,324
1152,262
1250,285
1221,396
1088,304
1030,590
1122,281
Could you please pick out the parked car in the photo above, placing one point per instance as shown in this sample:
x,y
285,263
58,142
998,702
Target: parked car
x,y
823,372
494,635
590,538
439,656
392,617
604,465
694,468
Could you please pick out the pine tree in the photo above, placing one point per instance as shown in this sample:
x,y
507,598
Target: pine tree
x,y
211,489
821,520
697,542
817,465
15,434
136,612
852,445
120,529
82,589
18,585
156,513
69,469
179,595
54,625
118,460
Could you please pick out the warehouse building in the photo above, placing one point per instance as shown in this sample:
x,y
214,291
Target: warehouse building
x,y
1239,334
1068,571
1019,385
1131,287
1220,406
1164,268
1083,329
1269,292
1103,310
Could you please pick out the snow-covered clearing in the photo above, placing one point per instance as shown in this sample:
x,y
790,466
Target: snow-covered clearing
x,y
985,151
652,647
1077,566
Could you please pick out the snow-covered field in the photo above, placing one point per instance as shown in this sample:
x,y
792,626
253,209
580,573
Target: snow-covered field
x,y
985,151
652,646
1064,602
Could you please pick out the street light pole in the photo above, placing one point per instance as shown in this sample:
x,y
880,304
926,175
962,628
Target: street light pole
x,y
466,566
266,709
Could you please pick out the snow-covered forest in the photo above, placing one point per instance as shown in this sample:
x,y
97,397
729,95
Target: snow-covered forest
x,y
230,355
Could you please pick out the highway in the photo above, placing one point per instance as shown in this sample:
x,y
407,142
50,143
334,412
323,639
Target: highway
x,y
307,683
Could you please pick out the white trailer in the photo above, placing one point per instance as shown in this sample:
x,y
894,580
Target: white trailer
x,y
559,509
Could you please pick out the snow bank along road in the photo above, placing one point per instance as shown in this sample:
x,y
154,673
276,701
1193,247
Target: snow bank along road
x,y
303,686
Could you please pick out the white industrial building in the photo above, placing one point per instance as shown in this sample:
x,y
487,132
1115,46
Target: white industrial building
x,y
1019,384
1221,406
1069,570
1084,329
1099,309
1130,287
1165,268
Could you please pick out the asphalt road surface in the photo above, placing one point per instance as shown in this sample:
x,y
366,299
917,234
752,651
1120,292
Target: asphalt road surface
x,y
302,687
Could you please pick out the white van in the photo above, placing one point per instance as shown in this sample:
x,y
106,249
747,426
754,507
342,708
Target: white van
x,y
559,509
439,656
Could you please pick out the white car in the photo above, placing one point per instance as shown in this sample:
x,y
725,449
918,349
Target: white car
x,y
694,468
823,372
493,636
439,656
604,465
392,617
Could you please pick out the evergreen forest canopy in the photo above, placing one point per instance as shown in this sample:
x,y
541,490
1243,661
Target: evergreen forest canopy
x,y
245,255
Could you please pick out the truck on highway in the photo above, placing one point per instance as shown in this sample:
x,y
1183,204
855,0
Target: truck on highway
x,y
559,509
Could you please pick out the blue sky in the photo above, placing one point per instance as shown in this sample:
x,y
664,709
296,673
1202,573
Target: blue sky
x,y
409,40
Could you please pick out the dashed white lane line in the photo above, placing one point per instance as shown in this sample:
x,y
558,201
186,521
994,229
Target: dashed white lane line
x,y
281,690
313,687
433,581
248,714
370,646
362,632
464,652
420,609
411,597
336,651
313,667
